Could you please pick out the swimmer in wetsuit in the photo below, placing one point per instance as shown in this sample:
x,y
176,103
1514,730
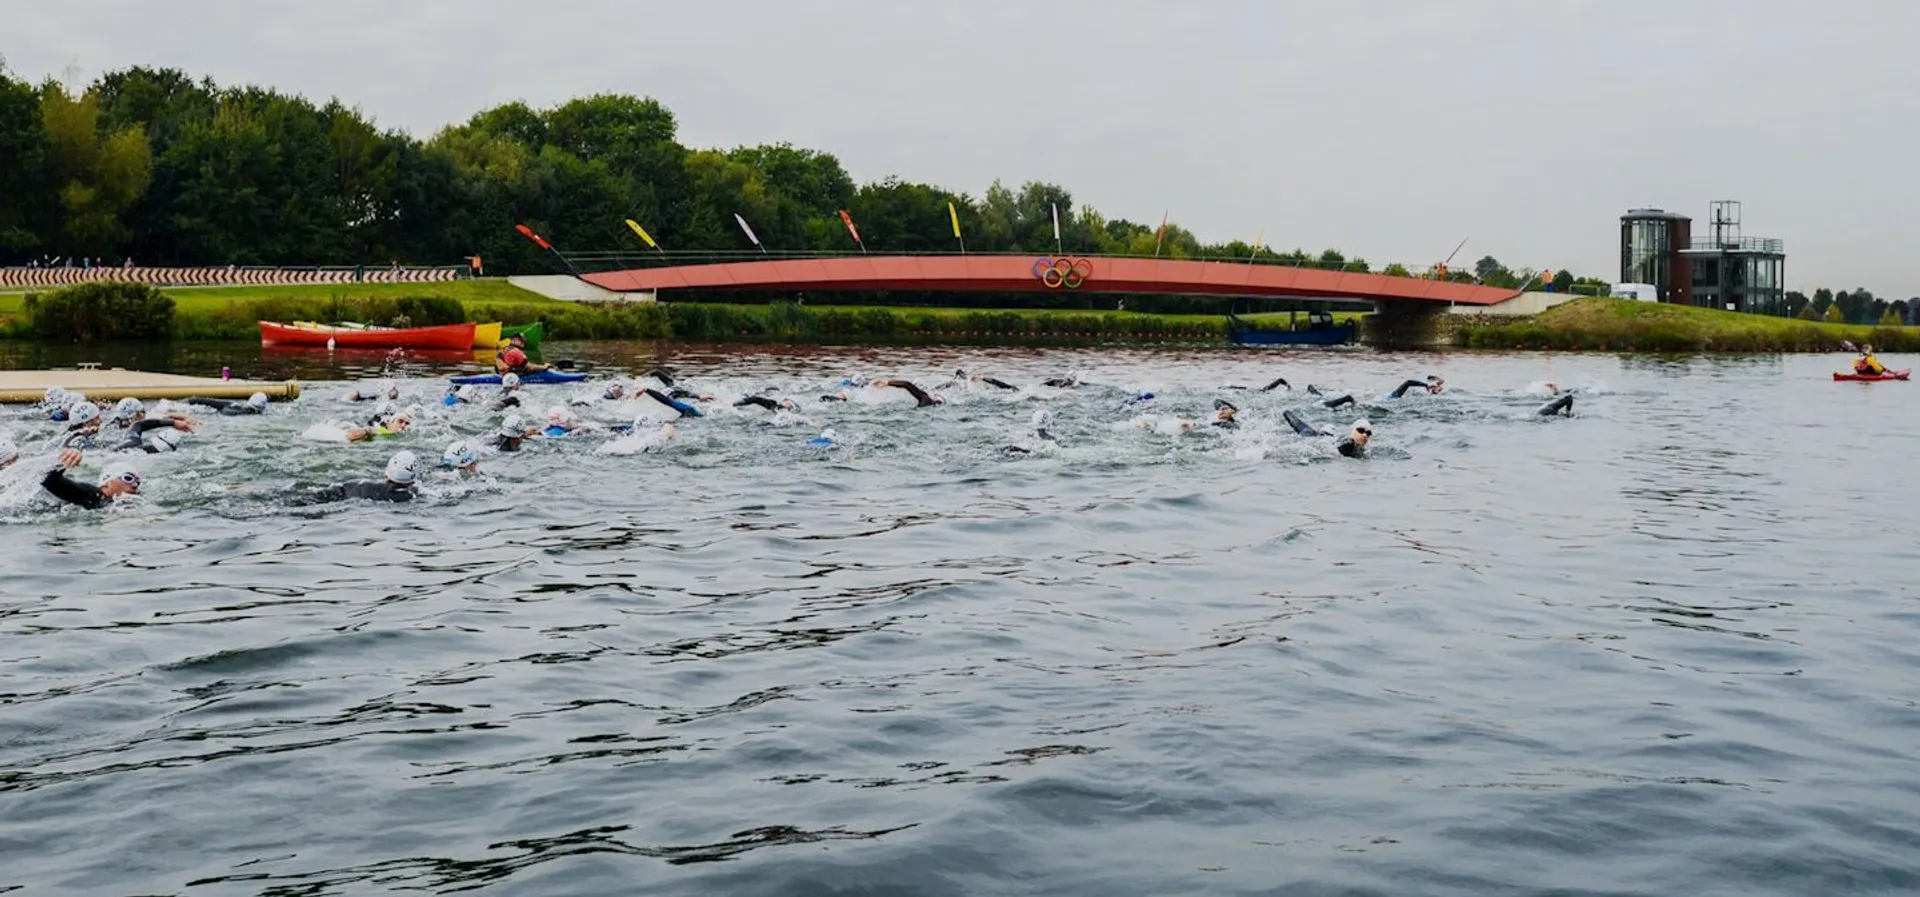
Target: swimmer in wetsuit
x,y
384,389
1433,385
961,376
513,431
83,423
398,486
165,440
764,402
391,425
1277,381
1042,419
1071,380
920,396
460,458
255,404
1223,415
1353,446
509,384
85,495
1561,406
685,409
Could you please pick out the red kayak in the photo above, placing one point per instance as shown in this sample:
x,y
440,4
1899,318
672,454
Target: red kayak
x,y
1890,375
449,336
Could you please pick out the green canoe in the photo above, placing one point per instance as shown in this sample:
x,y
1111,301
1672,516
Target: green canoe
x,y
533,332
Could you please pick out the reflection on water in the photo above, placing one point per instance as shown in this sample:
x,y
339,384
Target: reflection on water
x,y
1662,647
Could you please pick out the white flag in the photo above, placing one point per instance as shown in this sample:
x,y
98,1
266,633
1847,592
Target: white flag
x,y
1056,222
744,227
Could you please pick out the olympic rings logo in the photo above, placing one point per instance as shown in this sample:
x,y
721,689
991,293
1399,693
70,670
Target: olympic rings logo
x,y
1062,272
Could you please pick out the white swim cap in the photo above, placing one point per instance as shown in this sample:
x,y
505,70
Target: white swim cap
x,y
556,416
258,400
510,381
458,454
126,408
165,440
513,426
386,409
400,469
1362,424
83,413
465,393
1042,417
55,396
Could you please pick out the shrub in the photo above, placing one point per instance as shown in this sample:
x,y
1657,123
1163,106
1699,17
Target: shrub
x,y
91,312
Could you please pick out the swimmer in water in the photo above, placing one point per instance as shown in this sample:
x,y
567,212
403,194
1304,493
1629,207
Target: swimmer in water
x,y
512,433
1337,402
1433,385
255,404
685,409
1277,381
560,422
369,392
663,375
460,458
509,385
1071,380
769,404
85,495
1561,406
960,376
1042,419
920,396
166,439
393,425
1224,413
398,485
1353,446
465,394
83,423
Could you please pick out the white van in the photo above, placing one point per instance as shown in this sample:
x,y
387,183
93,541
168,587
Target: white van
x,y
1642,292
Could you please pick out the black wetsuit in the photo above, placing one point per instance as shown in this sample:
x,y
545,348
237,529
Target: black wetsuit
x,y
507,443
761,401
919,395
136,433
1277,381
371,490
661,375
997,383
1346,446
1337,403
226,406
1402,389
1562,405
685,409
1061,382
1349,448
507,401
1040,432
833,398
85,495
1313,390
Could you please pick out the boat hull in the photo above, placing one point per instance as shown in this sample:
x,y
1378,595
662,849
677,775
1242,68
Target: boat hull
x,y
446,337
1901,374
486,336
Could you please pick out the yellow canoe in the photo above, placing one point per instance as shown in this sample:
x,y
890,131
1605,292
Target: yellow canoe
x,y
486,336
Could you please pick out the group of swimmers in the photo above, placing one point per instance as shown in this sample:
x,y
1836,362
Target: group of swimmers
x,y
128,425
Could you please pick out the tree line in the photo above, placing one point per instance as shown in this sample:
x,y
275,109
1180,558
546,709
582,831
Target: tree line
x,y
151,165
1859,306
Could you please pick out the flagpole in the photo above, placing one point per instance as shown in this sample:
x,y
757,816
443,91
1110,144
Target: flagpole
x,y
1058,249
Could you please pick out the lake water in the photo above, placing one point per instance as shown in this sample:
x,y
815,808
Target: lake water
x,y
1667,646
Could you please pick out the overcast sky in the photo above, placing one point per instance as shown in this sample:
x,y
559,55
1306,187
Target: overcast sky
x,y
1390,129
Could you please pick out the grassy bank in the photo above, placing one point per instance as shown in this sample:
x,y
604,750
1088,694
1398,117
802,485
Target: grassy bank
x,y
232,313
1625,326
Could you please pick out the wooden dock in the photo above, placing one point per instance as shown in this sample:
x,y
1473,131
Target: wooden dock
x,y
118,383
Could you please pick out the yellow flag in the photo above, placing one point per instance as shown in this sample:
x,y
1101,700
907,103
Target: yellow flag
x,y
955,215
642,232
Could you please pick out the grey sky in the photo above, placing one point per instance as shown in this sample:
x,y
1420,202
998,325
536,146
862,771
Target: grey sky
x,y
1388,128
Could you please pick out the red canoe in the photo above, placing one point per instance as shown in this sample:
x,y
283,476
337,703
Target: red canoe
x,y
449,336
1890,375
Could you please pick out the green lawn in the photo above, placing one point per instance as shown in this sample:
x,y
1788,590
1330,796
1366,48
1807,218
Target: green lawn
x,y
1604,323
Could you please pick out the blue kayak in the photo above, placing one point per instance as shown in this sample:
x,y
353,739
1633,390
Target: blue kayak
x,y
546,376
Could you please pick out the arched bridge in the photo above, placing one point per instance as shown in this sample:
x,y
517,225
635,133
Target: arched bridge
x,y
1041,274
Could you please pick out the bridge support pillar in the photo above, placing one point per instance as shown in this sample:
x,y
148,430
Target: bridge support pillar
x,y
1405,324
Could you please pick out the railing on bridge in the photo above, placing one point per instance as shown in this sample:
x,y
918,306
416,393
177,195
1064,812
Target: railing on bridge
x,y
616,260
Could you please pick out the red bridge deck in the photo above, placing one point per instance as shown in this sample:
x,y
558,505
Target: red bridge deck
x,y
1024,273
